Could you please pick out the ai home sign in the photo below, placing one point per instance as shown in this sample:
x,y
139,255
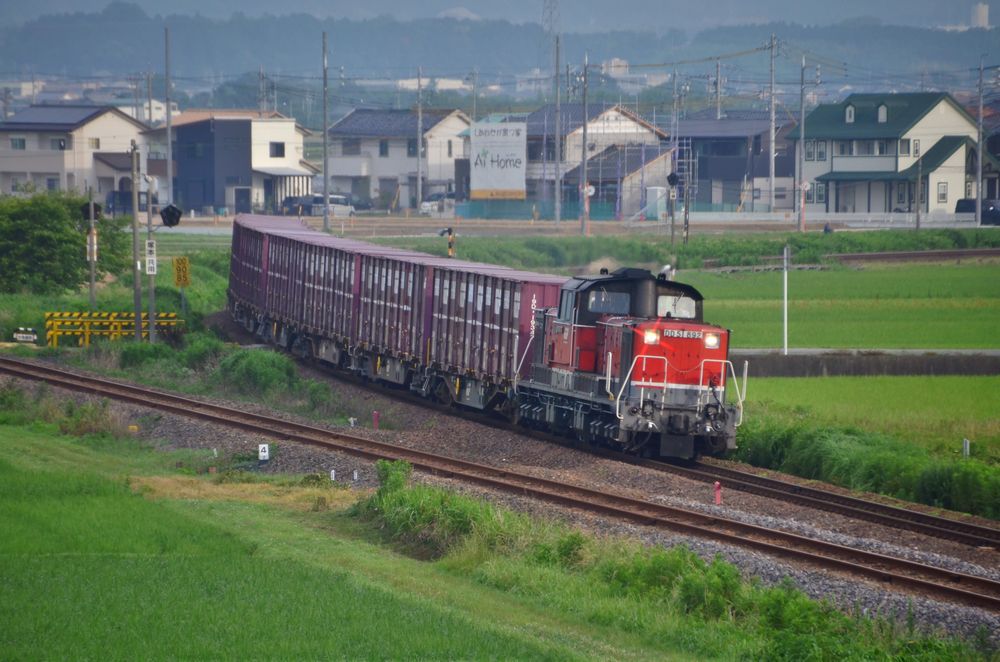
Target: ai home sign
x,y
263,452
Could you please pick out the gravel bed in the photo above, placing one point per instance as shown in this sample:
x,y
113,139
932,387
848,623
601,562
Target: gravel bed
x,y
417,427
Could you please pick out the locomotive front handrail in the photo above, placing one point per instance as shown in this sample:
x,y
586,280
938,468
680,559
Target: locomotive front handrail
x,y
740,397
628,380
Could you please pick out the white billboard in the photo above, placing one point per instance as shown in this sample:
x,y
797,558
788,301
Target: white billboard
x,y
499,160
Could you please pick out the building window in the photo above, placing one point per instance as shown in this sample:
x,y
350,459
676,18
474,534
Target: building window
x,y
58,144
756,194
810,150
52,183
277,150
883,114
968,189
350,147
820,192
810,194
849,114
18,143
904,147
881,147
94,143
411,147
780,192
821,150
900,194
449,149
383,148
845,148
942,192
916,148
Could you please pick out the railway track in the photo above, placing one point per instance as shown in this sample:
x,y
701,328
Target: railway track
x,y
857,508
911,256
892,516
961,587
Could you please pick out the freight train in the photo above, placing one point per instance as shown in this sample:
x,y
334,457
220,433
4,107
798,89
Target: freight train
x,y
621,359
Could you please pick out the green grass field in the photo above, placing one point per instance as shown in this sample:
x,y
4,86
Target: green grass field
x,y
894,307
110,551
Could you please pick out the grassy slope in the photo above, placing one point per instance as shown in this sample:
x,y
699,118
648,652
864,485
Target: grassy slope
x,y
89,570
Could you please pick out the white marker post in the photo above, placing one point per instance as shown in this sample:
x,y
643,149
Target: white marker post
x,y
787,258
263,452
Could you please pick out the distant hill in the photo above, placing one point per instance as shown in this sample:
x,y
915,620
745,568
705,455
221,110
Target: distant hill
x,y
124,38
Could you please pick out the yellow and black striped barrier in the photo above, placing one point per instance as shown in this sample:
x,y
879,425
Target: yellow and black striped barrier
x,y
86,325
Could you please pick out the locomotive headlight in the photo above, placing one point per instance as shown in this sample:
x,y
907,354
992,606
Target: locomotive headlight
x,y
711,340
651,336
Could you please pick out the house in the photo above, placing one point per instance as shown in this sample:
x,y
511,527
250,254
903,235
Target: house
x,y
235,160
869,152
69,148
731,158
625,148
373,154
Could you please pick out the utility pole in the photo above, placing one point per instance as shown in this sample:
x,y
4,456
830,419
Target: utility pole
x,y
261,94
770,146
920,189
718,89
420,137
802,148
92,250
166,102
584,199
150,258
149,98
674,128
558,159
136,279
979,150
326,140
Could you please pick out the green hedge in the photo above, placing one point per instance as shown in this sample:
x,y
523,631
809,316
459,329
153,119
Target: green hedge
x,y
872,462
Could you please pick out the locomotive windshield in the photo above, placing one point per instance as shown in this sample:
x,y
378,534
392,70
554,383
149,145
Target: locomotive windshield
x,y
676,306
611,303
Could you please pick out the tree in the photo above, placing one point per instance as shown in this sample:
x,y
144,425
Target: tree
x,y
43,244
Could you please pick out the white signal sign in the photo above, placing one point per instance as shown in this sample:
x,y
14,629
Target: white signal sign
x,y
151,248
151,266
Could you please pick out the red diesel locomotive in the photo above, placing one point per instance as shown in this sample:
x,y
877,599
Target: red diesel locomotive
x,y
620,359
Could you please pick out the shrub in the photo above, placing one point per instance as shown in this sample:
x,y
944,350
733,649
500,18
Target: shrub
x,y
134,354
253,371
199,350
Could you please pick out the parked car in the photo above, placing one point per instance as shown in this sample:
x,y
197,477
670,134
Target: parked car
x,y
436,202
339,205
991,209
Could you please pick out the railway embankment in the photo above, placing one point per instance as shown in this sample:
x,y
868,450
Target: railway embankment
x,y
862,362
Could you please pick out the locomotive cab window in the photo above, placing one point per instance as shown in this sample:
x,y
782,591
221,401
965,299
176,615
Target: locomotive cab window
x,y
611,303
676,306
567,301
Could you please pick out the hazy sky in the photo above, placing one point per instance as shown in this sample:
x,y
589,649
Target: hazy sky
x,y
575,15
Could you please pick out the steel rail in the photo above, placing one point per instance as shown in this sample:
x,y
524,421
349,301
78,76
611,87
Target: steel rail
x,y
855,507
969,589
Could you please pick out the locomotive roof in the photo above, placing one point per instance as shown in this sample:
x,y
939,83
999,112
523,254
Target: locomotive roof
x,y
579,283
291,227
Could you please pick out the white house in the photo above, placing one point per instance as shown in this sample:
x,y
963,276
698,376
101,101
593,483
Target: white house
x,y
868,153
68,148
373,154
